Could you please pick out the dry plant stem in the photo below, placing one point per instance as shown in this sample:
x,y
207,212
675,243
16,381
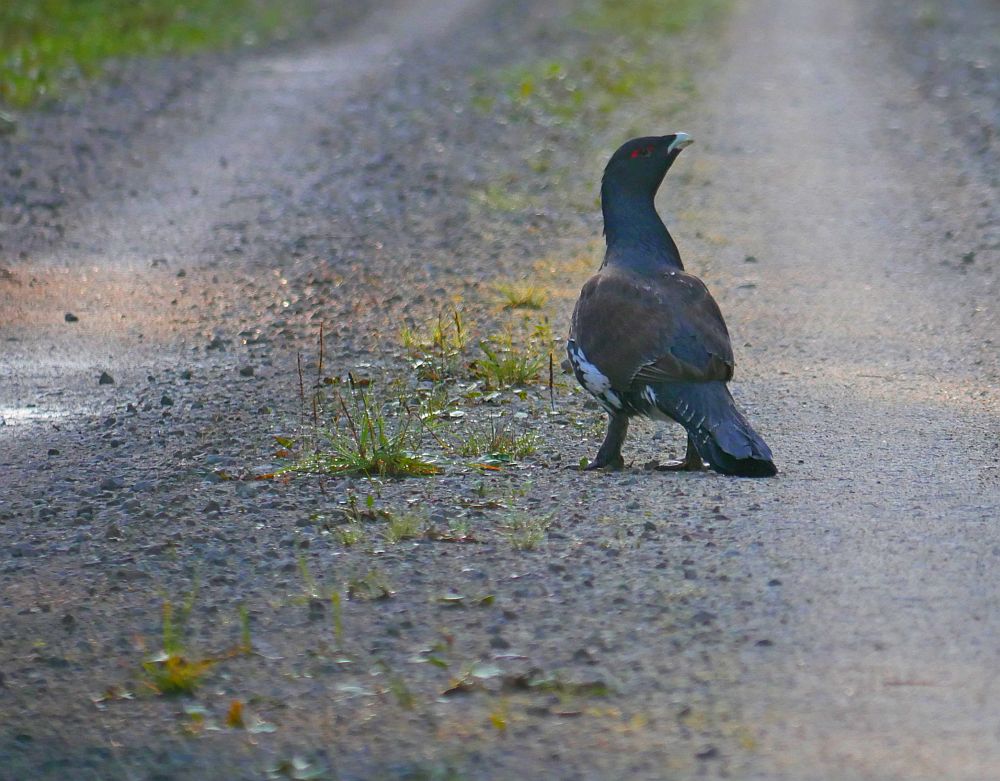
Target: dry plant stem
x,y
347,413
319,370
552,382
302,386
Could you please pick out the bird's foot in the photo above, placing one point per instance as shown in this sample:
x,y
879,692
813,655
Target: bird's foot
x,y
686,465
613,463
690,463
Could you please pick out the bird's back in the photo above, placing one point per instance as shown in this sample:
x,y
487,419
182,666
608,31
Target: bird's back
x,y
663,327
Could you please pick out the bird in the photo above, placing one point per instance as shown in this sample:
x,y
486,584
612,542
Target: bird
x,y
647,338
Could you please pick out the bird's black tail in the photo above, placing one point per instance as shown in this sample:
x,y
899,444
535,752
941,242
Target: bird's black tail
x,y
719,431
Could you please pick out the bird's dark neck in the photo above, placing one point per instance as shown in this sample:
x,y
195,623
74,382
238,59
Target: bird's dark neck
x,y
635,233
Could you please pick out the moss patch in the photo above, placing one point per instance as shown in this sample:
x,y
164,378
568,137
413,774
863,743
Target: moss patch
x,y
46,44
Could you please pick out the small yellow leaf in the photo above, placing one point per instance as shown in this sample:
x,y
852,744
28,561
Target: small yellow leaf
x,y
234,718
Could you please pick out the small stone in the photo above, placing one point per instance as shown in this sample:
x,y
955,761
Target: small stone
x,y
106,379
71,318
112,484
131,574
708,752
246,371
182,273
8,125
166,401
749,259
212,507
774,582
53,451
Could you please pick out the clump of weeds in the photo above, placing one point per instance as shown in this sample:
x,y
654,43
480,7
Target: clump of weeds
x,y
509,363
405,526
366,435
525,531
589,90
373,585
522,295
498,442
438,351
317,595
500,196
350,526
173,671
459,530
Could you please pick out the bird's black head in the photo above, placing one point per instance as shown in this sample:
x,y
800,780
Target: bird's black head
x,y
643,162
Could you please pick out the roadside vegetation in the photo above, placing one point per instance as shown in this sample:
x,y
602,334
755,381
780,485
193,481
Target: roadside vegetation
x,y
48,44
626,58
462,392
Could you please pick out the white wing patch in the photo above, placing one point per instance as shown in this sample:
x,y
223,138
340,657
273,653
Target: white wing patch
x,y
592,379
654,412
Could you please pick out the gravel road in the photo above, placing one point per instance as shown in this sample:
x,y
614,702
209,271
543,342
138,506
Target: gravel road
x,y
188,236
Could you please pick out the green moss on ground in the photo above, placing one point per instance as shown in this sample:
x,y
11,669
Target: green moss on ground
x,y
46,44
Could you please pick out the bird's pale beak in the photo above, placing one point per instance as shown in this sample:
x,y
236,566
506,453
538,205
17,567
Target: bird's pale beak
x,y
680,141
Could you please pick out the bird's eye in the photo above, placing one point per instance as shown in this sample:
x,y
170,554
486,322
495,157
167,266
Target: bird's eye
x,y
645,151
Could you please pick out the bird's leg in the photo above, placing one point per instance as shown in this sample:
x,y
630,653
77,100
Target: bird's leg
x,y
610,454
692,461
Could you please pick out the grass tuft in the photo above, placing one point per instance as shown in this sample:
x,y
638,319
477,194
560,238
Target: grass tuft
x,y
373,585
171,672
504,364
369,437
438,349
525,532
522,295
499,442
403,527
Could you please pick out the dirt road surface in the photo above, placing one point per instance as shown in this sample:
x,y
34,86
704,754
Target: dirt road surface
x,y
839,622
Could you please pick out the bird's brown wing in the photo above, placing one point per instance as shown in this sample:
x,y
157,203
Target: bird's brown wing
x,y
637,329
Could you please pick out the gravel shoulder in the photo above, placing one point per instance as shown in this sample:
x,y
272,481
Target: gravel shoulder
x,y
826,624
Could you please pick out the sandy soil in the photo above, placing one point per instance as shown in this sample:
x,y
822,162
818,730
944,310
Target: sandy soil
x,y
839,622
